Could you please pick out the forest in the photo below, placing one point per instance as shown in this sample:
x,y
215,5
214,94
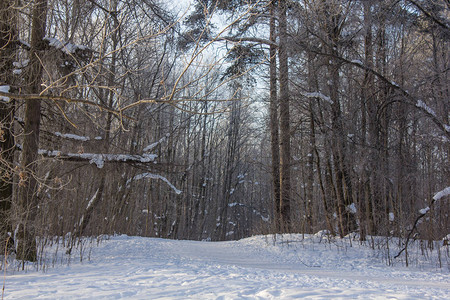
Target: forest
x,y
222,119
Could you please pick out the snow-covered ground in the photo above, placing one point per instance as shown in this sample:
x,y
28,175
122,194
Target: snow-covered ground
x,y
260,267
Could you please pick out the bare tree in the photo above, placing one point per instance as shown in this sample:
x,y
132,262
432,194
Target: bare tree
x,y
8,33
285,131
27,198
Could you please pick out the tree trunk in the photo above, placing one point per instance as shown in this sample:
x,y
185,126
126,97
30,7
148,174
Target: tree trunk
x,y
313,87
367,99
344,194
8,35
285,145
274,123
80,228
377,140
231,157
28,200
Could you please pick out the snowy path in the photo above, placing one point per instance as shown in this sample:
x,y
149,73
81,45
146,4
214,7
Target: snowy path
x,y
254,268
223,254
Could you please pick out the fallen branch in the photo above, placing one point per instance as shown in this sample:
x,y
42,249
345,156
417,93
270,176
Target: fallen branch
x,y
423,212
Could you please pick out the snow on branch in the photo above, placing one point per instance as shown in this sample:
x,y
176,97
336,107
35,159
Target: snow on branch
x,y
438,196
72,136
428,110
154,176
424,106
19,65
408,97
99,159
357,62
317,95
422,212
67,47
24,44
445,192
92,199
152,146
4,89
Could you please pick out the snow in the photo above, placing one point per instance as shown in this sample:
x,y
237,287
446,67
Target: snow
x,y
357,61
72,136
318,95
99,159
445,192
260,267
26,44
92,199
352,208
67,47
4,89
395,84
54,153
424,106
391,217
265,219
424,210
438,196
155,176
152,146
19,65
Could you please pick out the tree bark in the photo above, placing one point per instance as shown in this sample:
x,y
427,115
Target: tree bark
x,y
367,99
110,96
313,87
285,145
274,122
344,194
8,35
28,200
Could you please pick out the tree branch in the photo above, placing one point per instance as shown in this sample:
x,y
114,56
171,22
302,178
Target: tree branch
x,y
248,39
430,16
423,212
38,97
412,100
